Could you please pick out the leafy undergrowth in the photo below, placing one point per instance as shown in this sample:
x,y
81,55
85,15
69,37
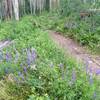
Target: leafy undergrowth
x,y
85,31
34,68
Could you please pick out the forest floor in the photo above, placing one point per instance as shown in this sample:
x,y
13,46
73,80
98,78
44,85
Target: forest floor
x,y
76,51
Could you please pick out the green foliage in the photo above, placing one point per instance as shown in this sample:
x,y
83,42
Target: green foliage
x,y
52,84
53,76
84,30
69,6
25,34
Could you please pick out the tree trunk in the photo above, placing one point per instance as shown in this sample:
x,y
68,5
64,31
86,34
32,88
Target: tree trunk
x,y
16,9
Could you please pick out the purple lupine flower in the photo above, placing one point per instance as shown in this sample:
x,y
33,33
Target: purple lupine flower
x,y
28,54
8,57
28,62
21,65
29,59
25,70
90,70
97,71
21,75
33,54
90,79
73,76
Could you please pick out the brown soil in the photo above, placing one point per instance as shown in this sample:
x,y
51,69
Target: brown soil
x,y
75,50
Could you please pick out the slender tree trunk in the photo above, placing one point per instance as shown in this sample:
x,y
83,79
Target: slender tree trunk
x,y
31,6
47,5
5,9
10,8
34,6
50,3
16,9
21,7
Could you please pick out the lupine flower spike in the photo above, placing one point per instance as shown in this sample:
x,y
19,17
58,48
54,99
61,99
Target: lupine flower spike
x,y
73,76
8,57
21,75
98,71
33,54
25,70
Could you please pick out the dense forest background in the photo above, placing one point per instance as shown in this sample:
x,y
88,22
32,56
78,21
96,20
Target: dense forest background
x,y
17,8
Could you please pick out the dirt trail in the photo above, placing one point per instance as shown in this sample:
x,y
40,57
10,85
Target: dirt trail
x,y
75,50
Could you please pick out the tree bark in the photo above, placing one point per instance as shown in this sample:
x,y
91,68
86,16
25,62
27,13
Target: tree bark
x,y
16,9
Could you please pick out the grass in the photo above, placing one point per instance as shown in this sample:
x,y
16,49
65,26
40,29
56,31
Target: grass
x,y
72,26
47,76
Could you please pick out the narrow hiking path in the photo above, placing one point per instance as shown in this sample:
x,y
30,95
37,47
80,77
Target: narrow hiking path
x,y
76,51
